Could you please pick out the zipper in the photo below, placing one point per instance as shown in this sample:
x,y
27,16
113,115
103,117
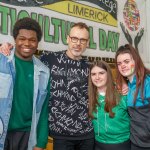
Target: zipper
x,y
106,125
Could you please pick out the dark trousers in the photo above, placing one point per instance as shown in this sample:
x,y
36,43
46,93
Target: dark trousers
x,y
16,140
60,144
134,147
121,146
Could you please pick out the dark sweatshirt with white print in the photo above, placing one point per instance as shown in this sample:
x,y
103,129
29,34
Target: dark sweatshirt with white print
x,y
68,105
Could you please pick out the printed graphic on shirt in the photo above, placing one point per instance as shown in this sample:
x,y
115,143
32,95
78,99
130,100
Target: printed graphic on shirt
x,y
68,104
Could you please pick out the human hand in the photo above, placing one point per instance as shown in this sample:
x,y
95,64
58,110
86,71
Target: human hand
x,y
5,48
126,33
138,38
124,90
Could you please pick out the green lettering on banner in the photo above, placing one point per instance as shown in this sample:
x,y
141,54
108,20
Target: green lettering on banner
x,y
23,14
116,41
65,28
92,44
55,30
57,23
13,18
33,15
47,36
102,39
109,41
5,11
113,39
40,20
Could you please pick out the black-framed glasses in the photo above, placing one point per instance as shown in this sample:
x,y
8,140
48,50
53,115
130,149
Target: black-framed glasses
x,y
75,40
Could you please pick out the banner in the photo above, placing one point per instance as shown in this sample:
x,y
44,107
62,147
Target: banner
x,y
111,22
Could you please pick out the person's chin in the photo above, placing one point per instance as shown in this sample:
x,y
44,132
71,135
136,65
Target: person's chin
x,y
125,74
77,54
25,55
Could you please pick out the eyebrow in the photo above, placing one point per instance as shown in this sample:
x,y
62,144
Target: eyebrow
x,y
98,72
22,36
123,60
78,38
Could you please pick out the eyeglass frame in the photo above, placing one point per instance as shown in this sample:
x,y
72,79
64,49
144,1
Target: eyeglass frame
x,y
82,40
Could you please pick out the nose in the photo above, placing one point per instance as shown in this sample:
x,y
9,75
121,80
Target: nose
x,y
123,65
78,42
97,76
26,42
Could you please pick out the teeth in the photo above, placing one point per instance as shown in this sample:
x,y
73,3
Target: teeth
x,y
26,50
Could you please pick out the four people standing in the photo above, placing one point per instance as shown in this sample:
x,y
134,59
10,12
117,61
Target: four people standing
x,y
69,123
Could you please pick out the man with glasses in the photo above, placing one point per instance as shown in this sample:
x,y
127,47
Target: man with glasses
x,y
69,124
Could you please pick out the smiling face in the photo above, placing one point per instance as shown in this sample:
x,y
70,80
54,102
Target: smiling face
x,y
26,44
126,65
99,78
75,49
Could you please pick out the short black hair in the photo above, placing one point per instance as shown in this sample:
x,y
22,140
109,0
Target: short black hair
x,y
29,24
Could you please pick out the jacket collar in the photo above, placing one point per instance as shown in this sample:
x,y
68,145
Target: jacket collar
x,y
37,63
133,81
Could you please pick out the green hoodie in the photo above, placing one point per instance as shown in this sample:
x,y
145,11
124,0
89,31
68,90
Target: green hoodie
x,y
111,130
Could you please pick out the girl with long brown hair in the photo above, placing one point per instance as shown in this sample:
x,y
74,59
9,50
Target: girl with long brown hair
x,y
108,110
131,69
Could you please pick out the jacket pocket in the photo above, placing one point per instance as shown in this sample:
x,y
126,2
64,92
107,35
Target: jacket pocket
x,y
5,82
40,100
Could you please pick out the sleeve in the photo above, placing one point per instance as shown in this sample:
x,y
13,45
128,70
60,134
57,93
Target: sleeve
x,y
147,89
46,57
42,128
123,101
